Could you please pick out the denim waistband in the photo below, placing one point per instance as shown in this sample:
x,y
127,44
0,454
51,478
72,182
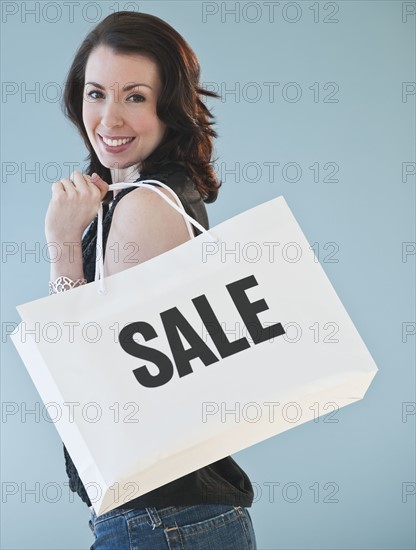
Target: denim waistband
x,y
153,515
141,515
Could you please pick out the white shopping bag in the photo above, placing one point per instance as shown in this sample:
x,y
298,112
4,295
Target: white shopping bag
x,y
196,354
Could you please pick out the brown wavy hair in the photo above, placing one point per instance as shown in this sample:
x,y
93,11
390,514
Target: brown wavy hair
x,y
189,135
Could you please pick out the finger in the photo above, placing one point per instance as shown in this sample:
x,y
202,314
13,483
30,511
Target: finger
x,y
84,184
80,181
57,187
100,184
68,186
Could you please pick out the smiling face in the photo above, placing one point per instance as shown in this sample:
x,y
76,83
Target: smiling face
x,y
119,107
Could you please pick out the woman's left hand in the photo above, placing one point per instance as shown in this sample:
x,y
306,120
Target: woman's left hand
x,y
73,206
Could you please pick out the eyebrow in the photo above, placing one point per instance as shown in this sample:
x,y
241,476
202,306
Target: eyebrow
x,y
126,88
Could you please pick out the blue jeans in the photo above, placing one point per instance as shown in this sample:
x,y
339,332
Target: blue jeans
x,y
197,527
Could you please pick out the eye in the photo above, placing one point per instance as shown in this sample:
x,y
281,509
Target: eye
x,y
90,94
137,98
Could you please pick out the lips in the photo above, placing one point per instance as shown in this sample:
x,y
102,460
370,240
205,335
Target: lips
x,y
116,148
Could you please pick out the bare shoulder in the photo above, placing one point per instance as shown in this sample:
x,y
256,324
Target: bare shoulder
x,y
143,207
143,199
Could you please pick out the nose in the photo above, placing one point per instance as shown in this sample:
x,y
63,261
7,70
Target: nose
x,y
111,115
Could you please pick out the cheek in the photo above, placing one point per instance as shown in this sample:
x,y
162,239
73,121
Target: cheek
x,y
88,116
150,123
158,126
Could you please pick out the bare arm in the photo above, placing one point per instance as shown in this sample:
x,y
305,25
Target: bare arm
x,y
143,226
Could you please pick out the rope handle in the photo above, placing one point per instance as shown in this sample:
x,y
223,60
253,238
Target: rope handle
x,y
99,260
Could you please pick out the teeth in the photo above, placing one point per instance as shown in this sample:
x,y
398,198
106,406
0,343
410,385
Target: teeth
x,y
116,142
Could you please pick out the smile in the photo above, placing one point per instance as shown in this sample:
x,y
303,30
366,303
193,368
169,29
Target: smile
x,y
116,142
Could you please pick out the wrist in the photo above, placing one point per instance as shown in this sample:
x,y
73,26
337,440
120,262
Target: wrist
x,y
63,283
64,240
61,239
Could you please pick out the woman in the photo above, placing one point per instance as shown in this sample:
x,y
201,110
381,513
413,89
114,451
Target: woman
x,y
133,93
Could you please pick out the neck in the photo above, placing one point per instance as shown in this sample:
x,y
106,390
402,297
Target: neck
x,y
127,175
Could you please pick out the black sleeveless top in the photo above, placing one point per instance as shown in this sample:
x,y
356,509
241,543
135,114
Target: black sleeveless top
x,y
222,482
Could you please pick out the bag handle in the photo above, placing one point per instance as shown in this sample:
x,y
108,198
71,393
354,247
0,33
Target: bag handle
x,y
99,261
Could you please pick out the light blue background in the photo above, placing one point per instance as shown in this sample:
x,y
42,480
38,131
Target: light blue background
x,y
369,212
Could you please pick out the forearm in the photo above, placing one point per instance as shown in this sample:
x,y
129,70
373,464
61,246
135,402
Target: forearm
x,y
66,261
